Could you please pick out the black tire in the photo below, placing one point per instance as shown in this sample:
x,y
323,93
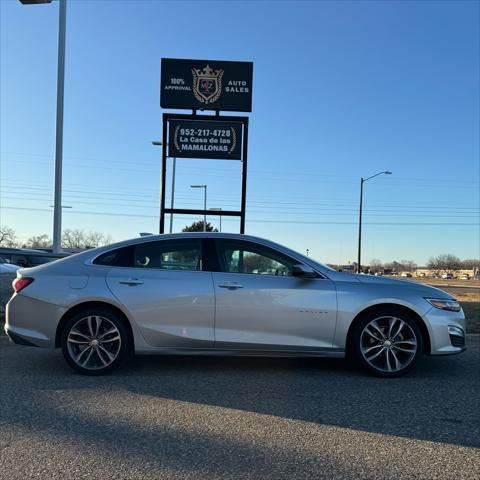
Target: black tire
x,y
107,348
362,345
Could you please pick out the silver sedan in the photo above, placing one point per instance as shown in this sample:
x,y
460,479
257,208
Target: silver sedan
x,y
225,294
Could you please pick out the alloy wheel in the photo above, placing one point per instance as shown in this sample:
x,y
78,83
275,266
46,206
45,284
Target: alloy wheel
x,y
388,344
94,342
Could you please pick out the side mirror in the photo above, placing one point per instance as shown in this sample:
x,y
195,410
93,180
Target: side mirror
x,y
303,271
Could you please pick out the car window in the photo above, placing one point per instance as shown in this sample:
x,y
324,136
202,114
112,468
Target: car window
x,y
243,257
40,260
170,255
19,260
121,257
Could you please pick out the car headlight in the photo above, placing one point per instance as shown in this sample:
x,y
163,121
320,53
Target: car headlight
x,y
443,304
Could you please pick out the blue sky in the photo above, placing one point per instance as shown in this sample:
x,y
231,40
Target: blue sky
x,y
341,90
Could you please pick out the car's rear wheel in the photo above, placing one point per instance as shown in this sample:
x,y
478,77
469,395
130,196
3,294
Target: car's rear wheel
x,y
386,342
95,342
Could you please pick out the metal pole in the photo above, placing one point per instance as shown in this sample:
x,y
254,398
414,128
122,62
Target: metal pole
x,y
205,210
173,193
244,176
220,222
163,174
57,202
359,265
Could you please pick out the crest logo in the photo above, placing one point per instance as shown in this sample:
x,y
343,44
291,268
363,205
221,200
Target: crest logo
x,y
207,84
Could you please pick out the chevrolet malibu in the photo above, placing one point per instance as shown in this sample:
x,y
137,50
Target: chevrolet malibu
x,y
225,294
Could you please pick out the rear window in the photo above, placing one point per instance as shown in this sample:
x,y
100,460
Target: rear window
x,y
121,257
41,260
185,254
163,255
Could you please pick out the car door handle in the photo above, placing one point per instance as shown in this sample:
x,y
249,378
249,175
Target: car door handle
x,y
132,282
230,286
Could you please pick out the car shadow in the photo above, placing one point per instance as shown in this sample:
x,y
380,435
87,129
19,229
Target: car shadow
x,y
436,402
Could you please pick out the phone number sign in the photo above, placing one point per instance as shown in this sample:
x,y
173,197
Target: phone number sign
x,y
205,139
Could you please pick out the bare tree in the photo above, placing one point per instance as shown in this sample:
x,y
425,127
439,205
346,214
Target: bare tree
x,y
471,264
409,265
39,241
8,238
445,262
394,267
375,265
95,239
78,238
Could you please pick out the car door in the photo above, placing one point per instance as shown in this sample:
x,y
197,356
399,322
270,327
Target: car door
x,y
260,305
166,292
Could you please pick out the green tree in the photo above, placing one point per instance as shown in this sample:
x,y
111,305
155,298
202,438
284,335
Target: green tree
x,y
198,227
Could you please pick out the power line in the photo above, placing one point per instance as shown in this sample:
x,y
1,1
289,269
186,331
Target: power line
x,y
262,208
269,172
271,176
79,212
122,195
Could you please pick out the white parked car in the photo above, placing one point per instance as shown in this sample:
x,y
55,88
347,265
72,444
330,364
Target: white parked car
x,y
8,272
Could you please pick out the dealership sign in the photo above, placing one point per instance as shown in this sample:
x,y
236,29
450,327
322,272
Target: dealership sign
x,y
205,139
206,85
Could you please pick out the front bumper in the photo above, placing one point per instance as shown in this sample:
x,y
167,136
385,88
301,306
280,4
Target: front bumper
x,y
447,331
32,322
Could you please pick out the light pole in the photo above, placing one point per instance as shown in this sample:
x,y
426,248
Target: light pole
x,y
159,144
57,201
362,181
204,204
220,216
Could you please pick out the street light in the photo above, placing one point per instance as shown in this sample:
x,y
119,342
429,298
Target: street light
x,y
362,181
220,216
57,209
159,144
204,205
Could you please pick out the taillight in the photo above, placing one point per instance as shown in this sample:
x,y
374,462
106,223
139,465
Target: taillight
x,y
20,283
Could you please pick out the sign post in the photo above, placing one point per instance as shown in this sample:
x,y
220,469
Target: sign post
x,y
205,139
205,85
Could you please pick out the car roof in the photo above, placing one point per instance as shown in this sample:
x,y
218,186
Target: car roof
x,y
20,250
30,251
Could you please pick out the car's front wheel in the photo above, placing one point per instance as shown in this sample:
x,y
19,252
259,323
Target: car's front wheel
x,y
95,342
386,342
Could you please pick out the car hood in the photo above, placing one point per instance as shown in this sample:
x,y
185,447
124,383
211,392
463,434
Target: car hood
x,y
421,288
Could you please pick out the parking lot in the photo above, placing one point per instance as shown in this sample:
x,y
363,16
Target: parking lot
x,y
181,417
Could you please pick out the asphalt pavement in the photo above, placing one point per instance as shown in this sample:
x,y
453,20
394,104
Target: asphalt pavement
x,y
225,418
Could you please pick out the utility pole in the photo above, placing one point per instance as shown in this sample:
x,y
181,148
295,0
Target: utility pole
x,y
362,181
57,199
359,268
173,192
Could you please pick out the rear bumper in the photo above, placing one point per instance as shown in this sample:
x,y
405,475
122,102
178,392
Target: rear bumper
x,y
14,338
32,322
